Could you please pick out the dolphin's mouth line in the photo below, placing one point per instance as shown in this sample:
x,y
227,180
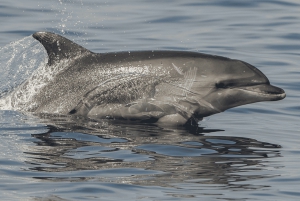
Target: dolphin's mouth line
x,y
264,93
260,92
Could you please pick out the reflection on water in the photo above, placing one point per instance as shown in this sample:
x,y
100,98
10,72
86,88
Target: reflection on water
x,y
148,155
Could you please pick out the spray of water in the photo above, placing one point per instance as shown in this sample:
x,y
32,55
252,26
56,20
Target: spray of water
x,y
20,61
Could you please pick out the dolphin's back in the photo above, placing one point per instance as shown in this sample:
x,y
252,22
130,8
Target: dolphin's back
x,y
59,48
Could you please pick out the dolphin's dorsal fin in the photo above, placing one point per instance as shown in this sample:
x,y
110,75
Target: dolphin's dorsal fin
x,y
58,47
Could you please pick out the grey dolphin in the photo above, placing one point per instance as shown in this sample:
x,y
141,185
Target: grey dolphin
x,y
175,87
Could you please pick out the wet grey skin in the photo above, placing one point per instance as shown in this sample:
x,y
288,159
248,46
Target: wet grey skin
x,y
167,87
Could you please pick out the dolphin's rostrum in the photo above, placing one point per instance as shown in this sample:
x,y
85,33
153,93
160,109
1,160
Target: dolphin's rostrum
x,y
174,87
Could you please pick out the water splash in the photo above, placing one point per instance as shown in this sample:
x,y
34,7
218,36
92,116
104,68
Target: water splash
x,y
18,62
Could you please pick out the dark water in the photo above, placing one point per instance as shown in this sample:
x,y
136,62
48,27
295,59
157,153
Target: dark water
x,y
246,153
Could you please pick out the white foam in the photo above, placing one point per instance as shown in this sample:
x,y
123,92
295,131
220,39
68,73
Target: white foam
x,y
21,60
17,62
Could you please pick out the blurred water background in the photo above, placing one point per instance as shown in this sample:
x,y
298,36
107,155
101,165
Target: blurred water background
x,y
246,153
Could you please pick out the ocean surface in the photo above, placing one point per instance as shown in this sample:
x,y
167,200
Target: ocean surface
x,y
250,152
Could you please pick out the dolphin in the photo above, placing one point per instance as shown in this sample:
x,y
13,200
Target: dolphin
x,y
169,87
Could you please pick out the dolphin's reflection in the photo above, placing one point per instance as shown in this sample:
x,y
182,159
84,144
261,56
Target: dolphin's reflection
x,y
167,156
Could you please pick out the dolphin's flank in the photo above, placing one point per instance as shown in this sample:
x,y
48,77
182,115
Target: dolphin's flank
x,y
171,87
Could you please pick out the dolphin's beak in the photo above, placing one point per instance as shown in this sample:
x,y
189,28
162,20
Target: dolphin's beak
x,y
266,92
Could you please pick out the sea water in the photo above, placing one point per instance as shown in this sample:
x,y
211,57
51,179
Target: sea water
x,y
246,153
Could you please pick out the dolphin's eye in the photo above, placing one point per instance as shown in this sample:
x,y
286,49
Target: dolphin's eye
x,y
220,85
226,84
